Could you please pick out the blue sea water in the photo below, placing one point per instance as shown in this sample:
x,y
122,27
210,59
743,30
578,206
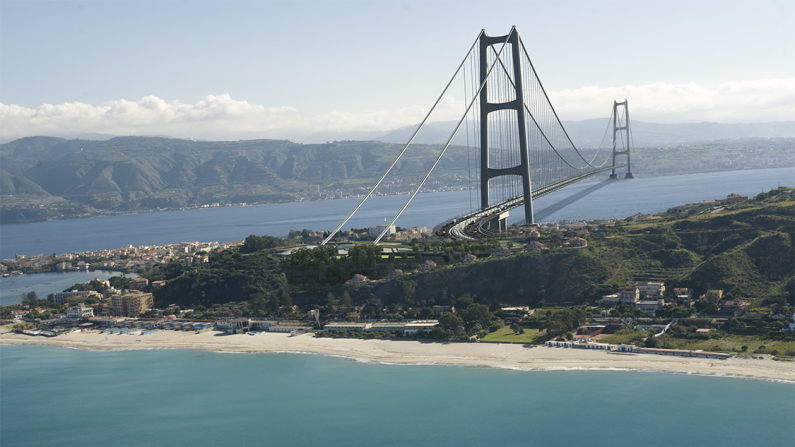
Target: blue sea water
x,y
616,199
67,397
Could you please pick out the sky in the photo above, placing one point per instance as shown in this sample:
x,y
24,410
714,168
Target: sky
x,y
230,70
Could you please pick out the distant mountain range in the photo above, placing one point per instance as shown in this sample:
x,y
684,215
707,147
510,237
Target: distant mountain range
x,y
587,133
48,177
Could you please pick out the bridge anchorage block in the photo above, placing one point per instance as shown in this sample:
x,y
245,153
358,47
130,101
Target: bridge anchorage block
x,y
614,176
629,175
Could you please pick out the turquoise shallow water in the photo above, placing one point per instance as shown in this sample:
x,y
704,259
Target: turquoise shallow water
x,y
66,397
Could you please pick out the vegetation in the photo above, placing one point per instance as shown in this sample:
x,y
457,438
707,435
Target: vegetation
x,y
507,334
746,250
46,177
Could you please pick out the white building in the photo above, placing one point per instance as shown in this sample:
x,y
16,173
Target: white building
x,y
80,311
376,230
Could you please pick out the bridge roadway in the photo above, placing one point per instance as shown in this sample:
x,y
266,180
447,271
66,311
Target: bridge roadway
x,y
477,224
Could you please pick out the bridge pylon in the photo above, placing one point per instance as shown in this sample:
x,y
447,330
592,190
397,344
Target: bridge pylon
x,y
517,104
619,132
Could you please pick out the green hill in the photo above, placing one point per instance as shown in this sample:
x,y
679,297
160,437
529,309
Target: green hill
x,y
139,173
747,251
12,184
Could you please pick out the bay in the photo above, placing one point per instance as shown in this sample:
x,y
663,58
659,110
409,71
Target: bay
x,y
12,287
67,397
586,200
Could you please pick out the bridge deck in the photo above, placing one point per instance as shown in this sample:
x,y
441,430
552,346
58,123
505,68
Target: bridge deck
x,y
472,226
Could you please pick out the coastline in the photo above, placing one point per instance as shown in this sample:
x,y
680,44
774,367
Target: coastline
x,y
410,352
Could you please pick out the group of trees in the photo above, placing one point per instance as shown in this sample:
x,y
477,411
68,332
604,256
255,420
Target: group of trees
x,y
322,264
460,325
256,243
565,320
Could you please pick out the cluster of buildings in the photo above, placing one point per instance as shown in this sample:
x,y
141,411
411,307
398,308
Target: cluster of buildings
x,y
650,296
406,329
646,296
586,344
125,258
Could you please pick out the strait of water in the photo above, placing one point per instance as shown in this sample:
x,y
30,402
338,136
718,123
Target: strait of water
x,y
67,397
588,200
12,287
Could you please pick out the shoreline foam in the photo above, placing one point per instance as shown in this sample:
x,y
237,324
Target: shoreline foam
x,y
422,353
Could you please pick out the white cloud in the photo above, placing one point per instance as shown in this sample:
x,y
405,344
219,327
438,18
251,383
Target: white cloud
x,y
731,102
221,117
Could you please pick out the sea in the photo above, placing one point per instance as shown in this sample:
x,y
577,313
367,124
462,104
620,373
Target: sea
x,y
69,398
586,200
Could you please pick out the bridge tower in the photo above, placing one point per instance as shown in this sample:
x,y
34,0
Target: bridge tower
x,y
517,104
621,132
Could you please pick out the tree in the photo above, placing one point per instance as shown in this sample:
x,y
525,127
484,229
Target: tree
x,y
331,304
30,299
347,302
477,314
515,328
285,299
256,243
450,321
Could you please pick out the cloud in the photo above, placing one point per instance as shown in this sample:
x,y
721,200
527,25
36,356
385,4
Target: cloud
x,y
731,102
221,117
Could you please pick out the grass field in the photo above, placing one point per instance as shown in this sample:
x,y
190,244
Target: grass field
x,y
505,334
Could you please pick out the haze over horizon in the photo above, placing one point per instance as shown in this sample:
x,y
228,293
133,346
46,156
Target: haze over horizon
x,y
239,70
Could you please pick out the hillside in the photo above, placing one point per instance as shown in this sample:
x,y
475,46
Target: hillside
x,y
747,251
129,174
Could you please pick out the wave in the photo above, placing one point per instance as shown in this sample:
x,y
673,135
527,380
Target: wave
x,y
444,364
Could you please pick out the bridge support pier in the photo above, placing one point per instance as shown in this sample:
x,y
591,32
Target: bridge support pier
x,y
621,132
502,221
517,104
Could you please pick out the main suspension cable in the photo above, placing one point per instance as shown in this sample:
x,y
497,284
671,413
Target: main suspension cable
x,y
331,235
458,126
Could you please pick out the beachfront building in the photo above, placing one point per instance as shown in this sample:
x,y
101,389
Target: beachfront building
x,y
415,327
386,327
357,327
394,274
470,258
131,304
80,311
410,328
235,326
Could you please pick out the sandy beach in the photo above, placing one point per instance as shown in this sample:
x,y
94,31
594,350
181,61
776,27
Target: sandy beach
x,y
418,352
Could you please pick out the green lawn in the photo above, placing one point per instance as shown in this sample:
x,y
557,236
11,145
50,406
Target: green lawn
x,y
505,334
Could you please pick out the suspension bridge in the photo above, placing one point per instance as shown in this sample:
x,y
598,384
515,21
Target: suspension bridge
x,y
522,151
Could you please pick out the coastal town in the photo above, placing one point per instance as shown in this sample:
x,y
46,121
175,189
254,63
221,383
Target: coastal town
x,y
377,299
